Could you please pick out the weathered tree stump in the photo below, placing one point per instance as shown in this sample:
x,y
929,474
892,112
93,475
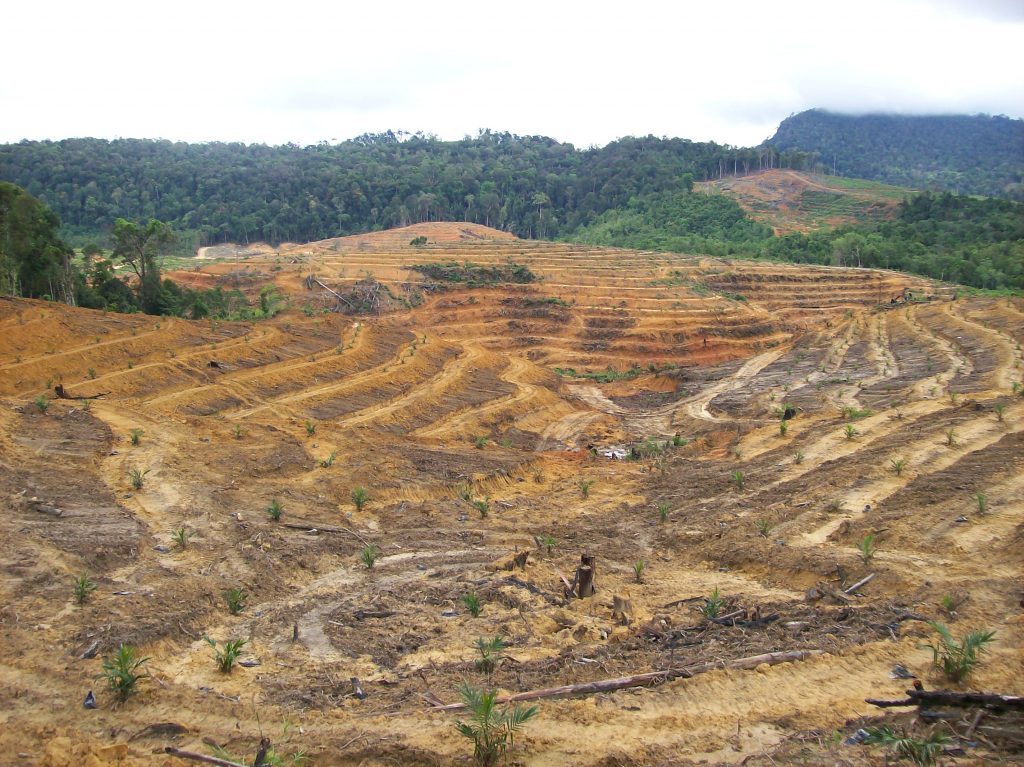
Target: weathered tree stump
x,y
585,576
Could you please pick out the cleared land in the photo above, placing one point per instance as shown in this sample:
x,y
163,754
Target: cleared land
x,y
450,398
791,201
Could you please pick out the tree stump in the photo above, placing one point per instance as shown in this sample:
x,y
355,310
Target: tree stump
x,y
585,576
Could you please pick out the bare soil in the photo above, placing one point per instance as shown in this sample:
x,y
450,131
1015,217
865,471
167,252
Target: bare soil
x,y
452,399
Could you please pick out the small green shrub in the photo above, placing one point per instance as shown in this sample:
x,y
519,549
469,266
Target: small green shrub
x,y
137,477
548,542
764,527
42,403
84,587
491,730
850,431
663,511
921,751
310,428
854,414
783,428
481,442
328,462
472,603
180,538
369,555
738,479
957,659
483,506
491,654
235,600
584,486
866,547
465,491
638,570
275,509
798,457
227,656
360,497
123,672
134,435
898,465
713,604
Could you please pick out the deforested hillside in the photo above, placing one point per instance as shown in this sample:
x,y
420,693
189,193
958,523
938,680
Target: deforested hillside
x,y
697,510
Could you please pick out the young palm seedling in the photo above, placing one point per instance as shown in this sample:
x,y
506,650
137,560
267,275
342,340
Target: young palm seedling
x,y
234,599
898,465
638,570
42,403
866,547
84,587
764,527
328,462
783,428
134,435
798,457
492,730
180,537
275,509
237,430
1000,410
472,603
310,428
738,479
368,555
981,502
712,604
663,512
491,654
227,656
957,659
548,543
850,431
585,485
951,436
483,506
360,498
921,751
138,478
123,672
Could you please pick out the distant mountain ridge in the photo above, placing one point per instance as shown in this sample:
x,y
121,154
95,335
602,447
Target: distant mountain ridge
x,y
966,154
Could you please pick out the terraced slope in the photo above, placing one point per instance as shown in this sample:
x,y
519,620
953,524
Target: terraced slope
x,y
448,410
791,201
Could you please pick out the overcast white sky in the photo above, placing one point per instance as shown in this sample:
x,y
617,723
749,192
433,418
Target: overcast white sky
x,y
587,73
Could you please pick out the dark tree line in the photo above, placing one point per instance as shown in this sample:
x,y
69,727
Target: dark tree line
x,y
211,193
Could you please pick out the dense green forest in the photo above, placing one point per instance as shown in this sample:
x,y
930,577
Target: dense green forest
x,y
958,153
972,241
210,193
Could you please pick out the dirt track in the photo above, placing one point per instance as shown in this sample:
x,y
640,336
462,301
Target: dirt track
x,y
457,398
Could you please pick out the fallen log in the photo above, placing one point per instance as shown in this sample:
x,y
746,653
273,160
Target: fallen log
x,y
181,754
45,508
955,699
62,393
311,527
648,679
862,582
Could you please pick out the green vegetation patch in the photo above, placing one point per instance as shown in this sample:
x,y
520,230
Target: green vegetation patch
x,y
475,275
